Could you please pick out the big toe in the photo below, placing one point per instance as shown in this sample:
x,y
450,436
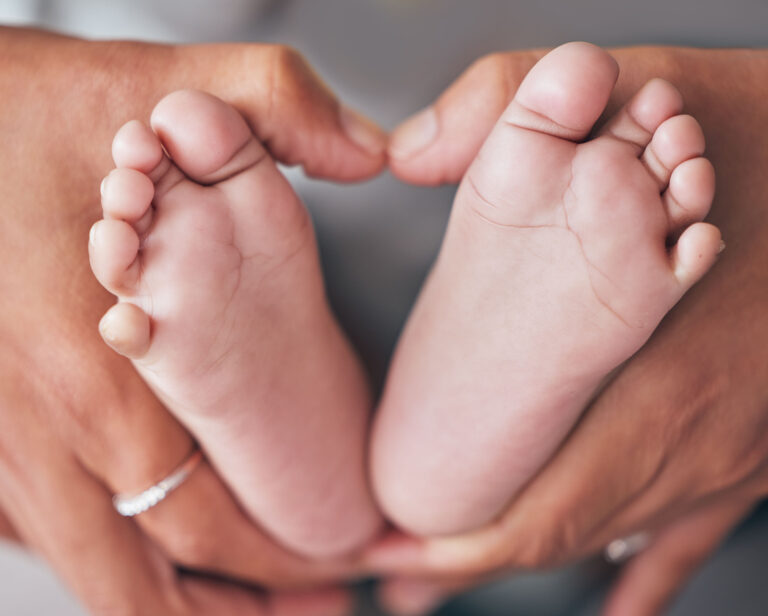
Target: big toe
x,y
566,92
207,138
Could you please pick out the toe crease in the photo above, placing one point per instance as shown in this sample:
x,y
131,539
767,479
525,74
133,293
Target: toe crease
x,y
217,177
571,134
473,186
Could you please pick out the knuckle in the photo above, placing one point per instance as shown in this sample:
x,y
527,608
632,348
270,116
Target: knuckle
x,y
290,90
281,73
287,67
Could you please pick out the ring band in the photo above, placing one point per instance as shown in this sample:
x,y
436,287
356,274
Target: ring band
x,y
621,550
129,505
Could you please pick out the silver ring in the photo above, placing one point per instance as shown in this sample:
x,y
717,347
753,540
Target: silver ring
x,y
129,505
621,550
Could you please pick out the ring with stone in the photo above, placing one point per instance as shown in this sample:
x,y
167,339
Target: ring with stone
x,y
129,505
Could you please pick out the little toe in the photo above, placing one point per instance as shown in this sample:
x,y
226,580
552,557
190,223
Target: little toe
x,y
566,92
125,327
695,252
690,192
207,138
126,194
113,248
677,139
636,122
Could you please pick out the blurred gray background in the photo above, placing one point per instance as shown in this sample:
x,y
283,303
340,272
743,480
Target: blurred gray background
x,y
390,58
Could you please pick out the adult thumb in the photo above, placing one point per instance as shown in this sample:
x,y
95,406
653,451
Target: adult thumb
x,y
289,108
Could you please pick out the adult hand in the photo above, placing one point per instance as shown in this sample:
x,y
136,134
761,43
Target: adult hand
x,y
678,443
76,423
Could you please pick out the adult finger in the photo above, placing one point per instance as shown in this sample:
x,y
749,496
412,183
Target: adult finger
x,y
554,517
652,578
645,585
288,106
436,145
624,469
128,440
200,525
97,403
66,515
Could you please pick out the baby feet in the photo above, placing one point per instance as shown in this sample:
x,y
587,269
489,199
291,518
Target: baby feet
x,y
222,310
561,257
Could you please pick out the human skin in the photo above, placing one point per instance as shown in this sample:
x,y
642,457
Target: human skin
x,y
561,256
54,364
77,423
677,443
220,290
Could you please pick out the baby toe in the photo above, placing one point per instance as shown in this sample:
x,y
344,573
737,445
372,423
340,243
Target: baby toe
x,y
135,146
125,327
113,248
690,192
565,93
695,252
126,194
676,140
657,101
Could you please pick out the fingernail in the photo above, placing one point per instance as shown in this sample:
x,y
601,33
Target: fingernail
x,y
414,135
721,248
364,132
103,186
92,235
